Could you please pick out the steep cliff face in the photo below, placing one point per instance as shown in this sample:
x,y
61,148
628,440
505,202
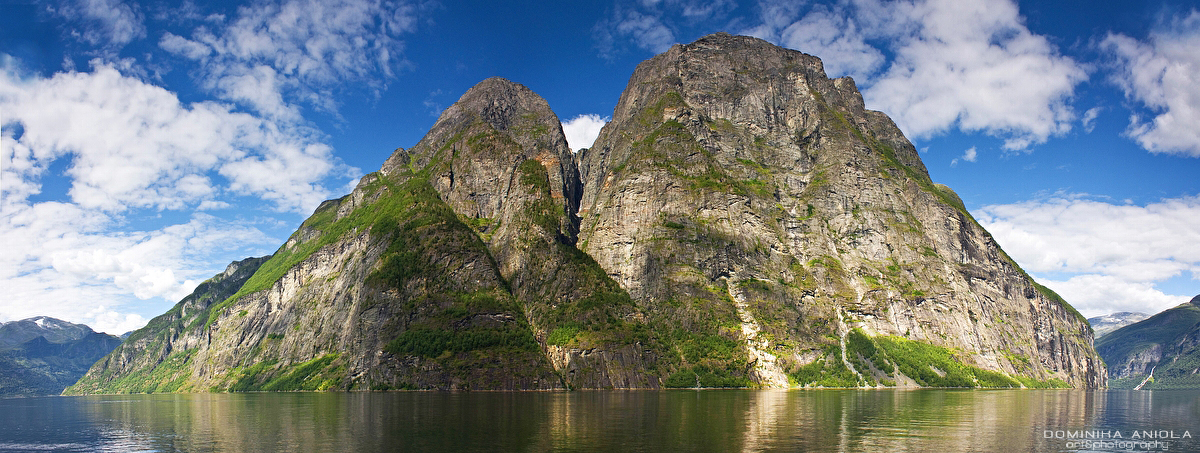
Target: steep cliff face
x,y
743,221
740,190
1160,352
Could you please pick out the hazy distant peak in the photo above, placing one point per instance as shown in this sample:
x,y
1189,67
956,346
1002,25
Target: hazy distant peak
x,y
53,329
1103,325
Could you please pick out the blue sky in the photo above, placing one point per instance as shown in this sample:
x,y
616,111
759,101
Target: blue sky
x,y
148,144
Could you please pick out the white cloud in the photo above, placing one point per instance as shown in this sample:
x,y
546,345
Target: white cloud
x,y
973,65
1162,74
965,64
582,131
184,47
826,31
135,145
703,9
102,319
1098,295
1119,250
969,155
431,103
654,25
65,261
104,22
774,16
132,148
209,205
1089,119
272,56
647,31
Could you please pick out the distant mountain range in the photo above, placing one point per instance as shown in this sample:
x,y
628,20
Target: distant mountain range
x,y
1103,325
1159,352
43,355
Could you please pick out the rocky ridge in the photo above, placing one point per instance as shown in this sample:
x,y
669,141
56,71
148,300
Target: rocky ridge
x,y
742,221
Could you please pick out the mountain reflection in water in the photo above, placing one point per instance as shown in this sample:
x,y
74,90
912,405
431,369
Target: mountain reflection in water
x,y
681,420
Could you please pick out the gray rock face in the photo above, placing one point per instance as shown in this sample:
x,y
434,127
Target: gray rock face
x,y
1103,325
743,221
735,174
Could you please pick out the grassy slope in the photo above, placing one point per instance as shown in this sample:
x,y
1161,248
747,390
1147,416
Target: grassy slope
x,y
420,230
148,375
1166,329
881,360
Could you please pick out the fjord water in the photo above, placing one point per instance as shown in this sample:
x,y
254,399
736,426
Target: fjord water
x,y
681,420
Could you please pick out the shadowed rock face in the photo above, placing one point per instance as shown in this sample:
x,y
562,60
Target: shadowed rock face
x,y
743,221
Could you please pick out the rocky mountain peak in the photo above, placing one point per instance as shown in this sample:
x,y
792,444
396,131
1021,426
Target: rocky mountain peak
x,y
499,102
736,176
1196,300
240,265
742,98
505,106
478,143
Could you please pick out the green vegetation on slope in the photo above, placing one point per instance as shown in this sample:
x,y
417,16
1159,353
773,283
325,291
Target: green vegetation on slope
x,y
1168,330
413,197
942,193
145,372
1161,329
827,370
318,374
924,363
431,343
464,329
168,376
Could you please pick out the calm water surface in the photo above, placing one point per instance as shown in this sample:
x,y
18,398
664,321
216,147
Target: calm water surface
x,y
682,420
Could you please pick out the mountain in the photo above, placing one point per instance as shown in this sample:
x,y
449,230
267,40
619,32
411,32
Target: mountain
x,y
15,333
742,221
1163,350
1103,325
43,355
741,190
